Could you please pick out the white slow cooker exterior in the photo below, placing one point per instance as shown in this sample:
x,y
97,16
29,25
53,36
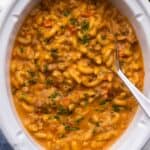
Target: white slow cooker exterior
x,y
11,14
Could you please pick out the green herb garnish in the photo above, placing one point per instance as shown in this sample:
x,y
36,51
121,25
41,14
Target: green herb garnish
x,y
101,109
32,73
54,95
45,68
63,111
22,49
116,108
32,81
33,77
85,26
57,117
85,39
78,120
66,13
102,102
49,81
73,21
23,96
70,128
54,53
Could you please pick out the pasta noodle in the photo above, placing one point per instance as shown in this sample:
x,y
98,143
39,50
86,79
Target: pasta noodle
x,y
63,78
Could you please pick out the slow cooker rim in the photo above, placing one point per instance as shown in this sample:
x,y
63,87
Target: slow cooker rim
x,y
4,129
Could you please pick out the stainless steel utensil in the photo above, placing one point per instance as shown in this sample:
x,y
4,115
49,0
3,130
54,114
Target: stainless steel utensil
x,y
142,100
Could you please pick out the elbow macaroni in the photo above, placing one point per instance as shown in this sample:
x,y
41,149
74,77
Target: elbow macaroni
x,y
62,74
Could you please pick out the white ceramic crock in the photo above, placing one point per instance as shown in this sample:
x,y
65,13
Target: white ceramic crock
x,y
12,13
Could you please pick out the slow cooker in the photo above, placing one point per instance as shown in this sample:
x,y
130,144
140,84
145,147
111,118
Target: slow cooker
x,y
12,13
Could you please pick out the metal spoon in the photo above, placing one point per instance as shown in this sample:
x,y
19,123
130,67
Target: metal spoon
x,y
142,100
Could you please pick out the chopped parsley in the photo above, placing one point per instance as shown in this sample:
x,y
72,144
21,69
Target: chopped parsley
x,y
102,102
73,21
56,117
32,81
85,26
78,120
45,68
66,13
85,39
49,81
70,128
101,109
23,96
54,95
63,111
54,53
32,73
116,108
33,77
22,49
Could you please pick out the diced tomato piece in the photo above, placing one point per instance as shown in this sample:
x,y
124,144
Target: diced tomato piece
x,y
65,102
47,23
72,30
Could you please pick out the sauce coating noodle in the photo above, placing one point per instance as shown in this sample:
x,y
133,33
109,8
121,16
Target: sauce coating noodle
x,y
62,74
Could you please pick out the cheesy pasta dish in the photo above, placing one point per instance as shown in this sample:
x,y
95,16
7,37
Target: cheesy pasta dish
x,y
63,78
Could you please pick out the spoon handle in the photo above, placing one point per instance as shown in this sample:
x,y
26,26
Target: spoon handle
x,y
142,100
